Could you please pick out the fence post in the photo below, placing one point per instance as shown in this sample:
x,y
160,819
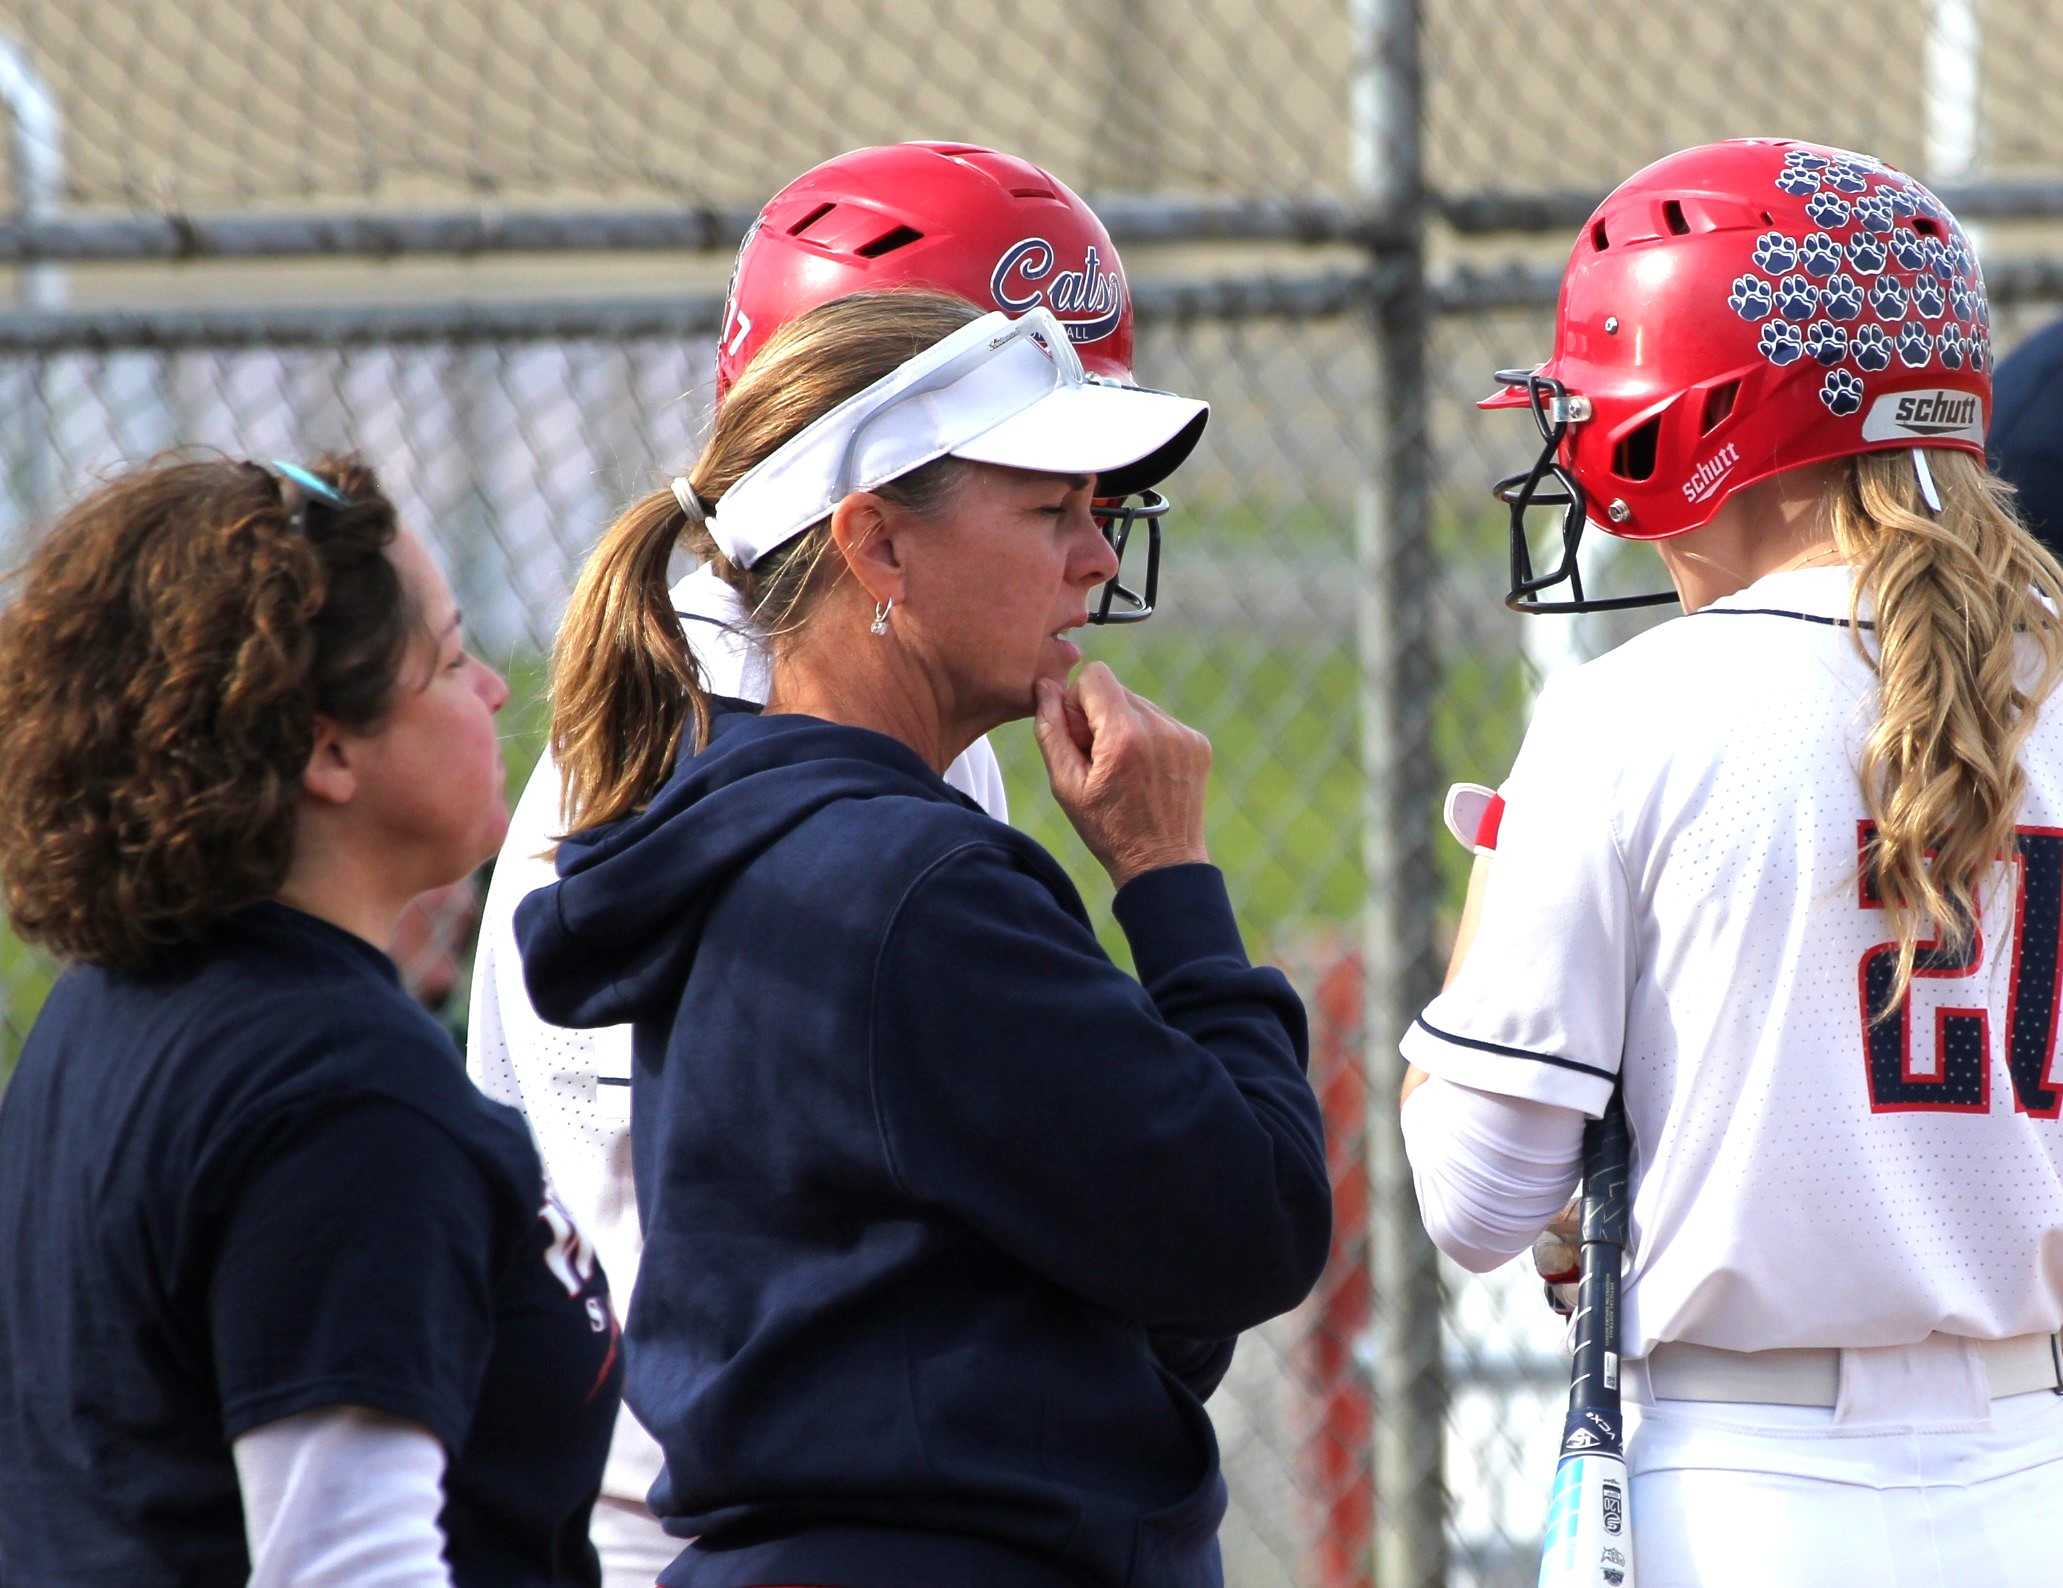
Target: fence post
x,y
36,153
36,148
1400,677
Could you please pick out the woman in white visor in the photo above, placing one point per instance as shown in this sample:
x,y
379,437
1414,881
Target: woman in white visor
x,y
949,1222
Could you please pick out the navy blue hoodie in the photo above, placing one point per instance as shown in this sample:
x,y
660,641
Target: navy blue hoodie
x,y
949,1223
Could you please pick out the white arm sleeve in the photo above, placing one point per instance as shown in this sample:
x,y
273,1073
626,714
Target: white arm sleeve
x,y
342,1495
1491,1170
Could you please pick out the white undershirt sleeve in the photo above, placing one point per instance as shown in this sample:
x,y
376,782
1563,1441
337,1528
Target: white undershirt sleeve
x,y
1490,1169
343,1495
979,776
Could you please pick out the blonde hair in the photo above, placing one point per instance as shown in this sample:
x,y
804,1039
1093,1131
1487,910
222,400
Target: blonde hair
x,y
625,684
1962,603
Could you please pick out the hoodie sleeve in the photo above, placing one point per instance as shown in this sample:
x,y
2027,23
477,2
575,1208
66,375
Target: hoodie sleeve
x,y
1154,1148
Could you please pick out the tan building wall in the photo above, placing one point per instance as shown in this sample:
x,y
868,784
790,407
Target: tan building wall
x,y
213,105
226,103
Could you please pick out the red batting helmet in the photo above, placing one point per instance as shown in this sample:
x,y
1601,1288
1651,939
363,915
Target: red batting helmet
x,y
994,229
1734,311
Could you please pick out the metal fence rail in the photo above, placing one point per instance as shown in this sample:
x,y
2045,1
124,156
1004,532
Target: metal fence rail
x,y
1337,221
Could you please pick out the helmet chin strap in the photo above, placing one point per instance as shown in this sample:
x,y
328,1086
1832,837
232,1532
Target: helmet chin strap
x,y
1927,490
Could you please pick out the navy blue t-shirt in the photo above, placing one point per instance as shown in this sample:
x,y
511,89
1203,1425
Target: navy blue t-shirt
x,y
253,1183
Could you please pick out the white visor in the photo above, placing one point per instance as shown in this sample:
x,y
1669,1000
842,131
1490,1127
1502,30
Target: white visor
x,y
998,390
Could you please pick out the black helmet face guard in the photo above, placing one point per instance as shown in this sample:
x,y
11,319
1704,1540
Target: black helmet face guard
x,y
1117,517
1554,410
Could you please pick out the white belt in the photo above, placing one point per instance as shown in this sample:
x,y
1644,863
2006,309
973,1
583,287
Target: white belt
x,y
1812,1376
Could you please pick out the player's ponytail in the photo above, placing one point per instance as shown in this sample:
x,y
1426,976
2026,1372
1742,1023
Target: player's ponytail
x,y
625,685
1967,640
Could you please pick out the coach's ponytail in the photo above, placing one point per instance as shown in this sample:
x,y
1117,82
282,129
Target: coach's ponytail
x,y
625,685
1966,643
624,682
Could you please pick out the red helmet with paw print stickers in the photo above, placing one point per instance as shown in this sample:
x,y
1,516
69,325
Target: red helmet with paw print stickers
x,y
1731,312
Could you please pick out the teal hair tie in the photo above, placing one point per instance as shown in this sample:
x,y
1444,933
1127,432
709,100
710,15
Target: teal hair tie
x,y
314,484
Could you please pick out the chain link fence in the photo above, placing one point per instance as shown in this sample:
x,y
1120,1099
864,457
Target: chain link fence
x,y
482,240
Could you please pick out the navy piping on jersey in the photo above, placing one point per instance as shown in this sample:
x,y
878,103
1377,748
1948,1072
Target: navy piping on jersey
x,y
1776,612
713,622
1516,1053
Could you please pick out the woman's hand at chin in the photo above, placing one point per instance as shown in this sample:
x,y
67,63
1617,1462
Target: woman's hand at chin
x,y
1130,777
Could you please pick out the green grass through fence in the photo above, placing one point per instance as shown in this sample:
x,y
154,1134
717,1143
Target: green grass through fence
x,y
1285,809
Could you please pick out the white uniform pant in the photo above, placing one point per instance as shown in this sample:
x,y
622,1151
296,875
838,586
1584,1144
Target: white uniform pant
x,y
1915,1481
634,1548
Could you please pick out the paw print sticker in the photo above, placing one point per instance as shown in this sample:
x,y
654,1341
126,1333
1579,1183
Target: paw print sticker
x,y
1781,342
1887,299
1806,158
1930,297
1798,180
1830,209
1902,205
1952,346
1915,344
1871,347
1825,341
1907,249
1819,254
1937,259
1865,254
1962,299
1980,353
1775,252
1846,178
1796,298
1841,297
1872,212
1841,392
1751,297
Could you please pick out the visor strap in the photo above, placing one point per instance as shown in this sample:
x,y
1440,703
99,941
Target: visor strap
x,y
1927,490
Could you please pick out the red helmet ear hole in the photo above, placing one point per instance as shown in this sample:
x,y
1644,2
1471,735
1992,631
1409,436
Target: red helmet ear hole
x,y
1718,405
1634,457
1672,217
888,242
810,219
1598,240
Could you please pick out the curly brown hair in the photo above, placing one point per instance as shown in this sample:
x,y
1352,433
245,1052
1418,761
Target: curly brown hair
x,y
172,641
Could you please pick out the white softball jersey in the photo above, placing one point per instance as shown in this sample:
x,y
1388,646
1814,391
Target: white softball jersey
x,y
1677,898
574,1086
